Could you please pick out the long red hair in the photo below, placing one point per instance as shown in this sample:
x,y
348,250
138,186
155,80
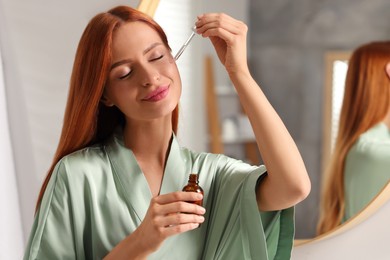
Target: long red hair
x,y
87,121
366,103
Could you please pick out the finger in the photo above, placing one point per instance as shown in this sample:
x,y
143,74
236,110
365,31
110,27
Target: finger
x,y
178,229
181,218
210,17
177,196
183,207
221,33
218,24
220,20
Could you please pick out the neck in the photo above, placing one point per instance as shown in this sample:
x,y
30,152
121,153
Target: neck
x,y
149,139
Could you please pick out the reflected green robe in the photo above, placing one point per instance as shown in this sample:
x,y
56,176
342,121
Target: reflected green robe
x,y
367,169
97,196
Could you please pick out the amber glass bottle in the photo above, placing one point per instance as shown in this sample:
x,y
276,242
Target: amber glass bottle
x,y
193,186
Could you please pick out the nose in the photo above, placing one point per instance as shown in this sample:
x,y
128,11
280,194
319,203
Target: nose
x,y
149,76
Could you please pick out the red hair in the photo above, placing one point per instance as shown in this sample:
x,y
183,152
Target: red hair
x,y
87,121
366,103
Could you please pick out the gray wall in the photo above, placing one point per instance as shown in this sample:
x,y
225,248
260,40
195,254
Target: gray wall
x,y
288,40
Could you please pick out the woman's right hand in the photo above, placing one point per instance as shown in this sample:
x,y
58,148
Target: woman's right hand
x,y
168,215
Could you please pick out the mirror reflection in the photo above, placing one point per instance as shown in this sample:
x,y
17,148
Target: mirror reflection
x,y
336,65
359,165
289,61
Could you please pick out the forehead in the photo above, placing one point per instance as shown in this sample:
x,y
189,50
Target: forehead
x,y
134,36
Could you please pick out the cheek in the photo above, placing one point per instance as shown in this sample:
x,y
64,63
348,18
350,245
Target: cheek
x,y
109,92
172,70
388,69
120,93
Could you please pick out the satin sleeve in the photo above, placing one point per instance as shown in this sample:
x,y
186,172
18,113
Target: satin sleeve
x,y
366,172
237,229
52,234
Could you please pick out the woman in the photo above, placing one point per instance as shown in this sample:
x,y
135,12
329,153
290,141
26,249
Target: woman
x,y
360,165
114,187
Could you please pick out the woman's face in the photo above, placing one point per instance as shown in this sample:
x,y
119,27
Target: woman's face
x,y
144,82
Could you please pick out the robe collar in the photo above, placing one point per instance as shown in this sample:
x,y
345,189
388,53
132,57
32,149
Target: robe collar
x,y
132,180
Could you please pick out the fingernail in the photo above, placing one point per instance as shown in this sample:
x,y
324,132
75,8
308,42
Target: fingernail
x,y
199,196
202,210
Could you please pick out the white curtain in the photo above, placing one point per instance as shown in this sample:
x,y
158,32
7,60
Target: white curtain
x,y
19,184
11,234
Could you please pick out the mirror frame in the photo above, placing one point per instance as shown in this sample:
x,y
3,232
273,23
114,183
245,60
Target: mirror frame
x,y
375,204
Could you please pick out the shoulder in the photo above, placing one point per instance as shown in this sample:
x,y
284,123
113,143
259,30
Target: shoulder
x,y
204,157
218,162
374,144
378,135
89,161
86,155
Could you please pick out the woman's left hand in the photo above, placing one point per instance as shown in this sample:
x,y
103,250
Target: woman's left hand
x,y
228,36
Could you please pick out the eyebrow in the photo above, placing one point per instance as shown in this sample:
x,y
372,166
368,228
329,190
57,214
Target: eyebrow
x,y
116,64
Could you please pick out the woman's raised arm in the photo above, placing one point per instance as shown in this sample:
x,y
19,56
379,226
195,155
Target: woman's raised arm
x,y
287,181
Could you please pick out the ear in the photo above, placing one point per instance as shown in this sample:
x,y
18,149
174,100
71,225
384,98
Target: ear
x,y
106,101
388,69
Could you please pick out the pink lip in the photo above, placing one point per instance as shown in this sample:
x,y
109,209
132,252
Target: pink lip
x,y
157,94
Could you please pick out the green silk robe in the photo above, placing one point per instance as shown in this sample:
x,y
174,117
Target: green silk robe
x,y
367,169
97,196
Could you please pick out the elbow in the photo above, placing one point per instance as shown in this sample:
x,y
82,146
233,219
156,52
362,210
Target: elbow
x,y
302,189
285,192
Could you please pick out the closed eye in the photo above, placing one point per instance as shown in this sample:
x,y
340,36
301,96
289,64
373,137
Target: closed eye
x,y
129,73
158,58
125,76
